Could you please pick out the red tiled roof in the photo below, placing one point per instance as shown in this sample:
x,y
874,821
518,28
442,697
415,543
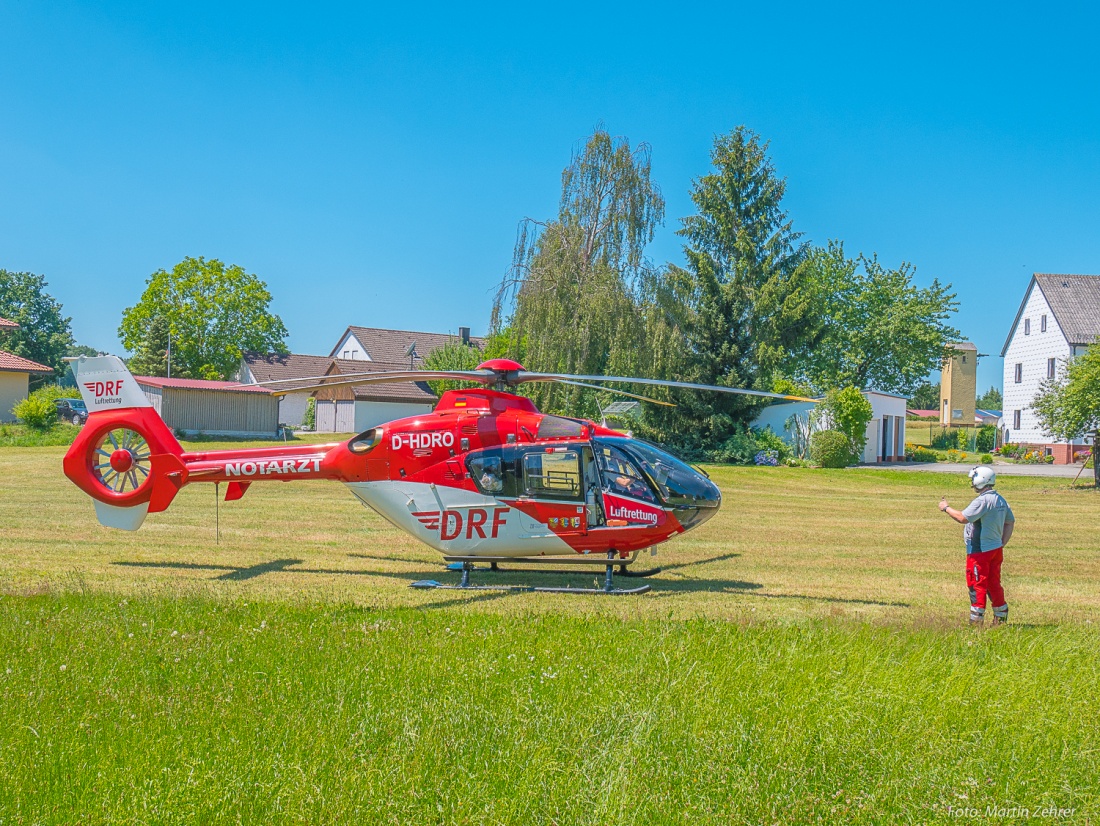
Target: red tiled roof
x,y
199,384
924,414
12,363
8,325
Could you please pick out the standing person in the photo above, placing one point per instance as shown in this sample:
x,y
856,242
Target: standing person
x,y
989,524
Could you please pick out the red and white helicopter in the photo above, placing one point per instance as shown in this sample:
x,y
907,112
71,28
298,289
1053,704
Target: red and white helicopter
x,y
483,477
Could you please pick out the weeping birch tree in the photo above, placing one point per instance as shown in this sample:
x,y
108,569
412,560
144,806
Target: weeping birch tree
x,y
573,299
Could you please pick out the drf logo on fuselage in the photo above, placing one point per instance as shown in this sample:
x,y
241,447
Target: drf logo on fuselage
x,y
421,441
453,524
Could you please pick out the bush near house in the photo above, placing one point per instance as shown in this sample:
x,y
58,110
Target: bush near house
x,y
743,448
36,411
919,453
830,448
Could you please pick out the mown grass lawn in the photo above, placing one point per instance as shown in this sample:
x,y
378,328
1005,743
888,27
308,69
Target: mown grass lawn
x,y
802,658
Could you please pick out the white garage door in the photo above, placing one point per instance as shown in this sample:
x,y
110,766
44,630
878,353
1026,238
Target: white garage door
x,y
345,417
325,417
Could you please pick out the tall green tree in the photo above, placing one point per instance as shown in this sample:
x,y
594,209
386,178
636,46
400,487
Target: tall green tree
x,y
1068,406
152,355
571,298
741,307
454,355
926,397
878,330
990,400
214,312
44,333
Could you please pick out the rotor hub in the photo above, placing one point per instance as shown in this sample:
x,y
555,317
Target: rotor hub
x,y
122,461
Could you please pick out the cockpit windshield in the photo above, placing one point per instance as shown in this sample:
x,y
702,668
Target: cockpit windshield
x,y
677,482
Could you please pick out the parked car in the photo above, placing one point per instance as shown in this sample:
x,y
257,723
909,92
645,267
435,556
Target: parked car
x,y
72,410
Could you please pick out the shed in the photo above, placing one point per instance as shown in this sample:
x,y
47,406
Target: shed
x,y
349,409
886,430
257,367
213,408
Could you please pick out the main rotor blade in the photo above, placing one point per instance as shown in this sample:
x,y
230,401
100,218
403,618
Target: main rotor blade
x,y
479,376
619,392
525,376
392,375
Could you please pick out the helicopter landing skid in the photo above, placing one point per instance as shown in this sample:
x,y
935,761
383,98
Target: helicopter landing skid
x,y
608,587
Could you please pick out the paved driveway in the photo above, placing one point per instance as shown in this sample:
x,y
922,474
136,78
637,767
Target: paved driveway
x,y
1006,469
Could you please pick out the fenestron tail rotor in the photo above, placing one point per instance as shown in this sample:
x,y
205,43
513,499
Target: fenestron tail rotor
x,y
122,461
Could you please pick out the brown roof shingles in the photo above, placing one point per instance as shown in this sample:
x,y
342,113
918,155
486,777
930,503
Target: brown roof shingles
x,y
275,367
390,345
406,391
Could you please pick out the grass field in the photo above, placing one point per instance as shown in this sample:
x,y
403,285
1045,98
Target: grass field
x,y
800,659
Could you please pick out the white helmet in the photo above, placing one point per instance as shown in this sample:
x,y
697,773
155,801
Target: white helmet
x,y
982,477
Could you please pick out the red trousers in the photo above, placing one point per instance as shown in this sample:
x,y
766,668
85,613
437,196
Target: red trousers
x,y
983,576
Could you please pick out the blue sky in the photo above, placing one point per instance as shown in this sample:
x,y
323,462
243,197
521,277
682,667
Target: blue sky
x,y
371,164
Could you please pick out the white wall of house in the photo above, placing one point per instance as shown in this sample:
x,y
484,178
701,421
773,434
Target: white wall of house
x,y
1031,348
776,417
350,348
292,408
372,414
13,389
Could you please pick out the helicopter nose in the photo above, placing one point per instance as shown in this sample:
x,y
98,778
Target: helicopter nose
x,y
705,501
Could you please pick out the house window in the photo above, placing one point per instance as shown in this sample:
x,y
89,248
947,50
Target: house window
x,y
1042,324
964,359
1019,373
1050,368
1016,420
1027,326
347,354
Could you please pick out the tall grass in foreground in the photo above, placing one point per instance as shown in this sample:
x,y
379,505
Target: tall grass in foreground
x,y
200,711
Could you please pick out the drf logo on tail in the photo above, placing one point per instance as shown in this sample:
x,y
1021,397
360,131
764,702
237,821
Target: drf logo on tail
x,y
105,390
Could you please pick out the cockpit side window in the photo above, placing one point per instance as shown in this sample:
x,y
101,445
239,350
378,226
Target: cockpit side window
x,y
620,476
487,473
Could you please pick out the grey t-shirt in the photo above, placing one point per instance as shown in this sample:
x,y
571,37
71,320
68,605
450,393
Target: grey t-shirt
x,y
985,522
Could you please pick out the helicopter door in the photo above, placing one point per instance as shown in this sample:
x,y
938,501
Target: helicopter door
x,y
551,500
628,500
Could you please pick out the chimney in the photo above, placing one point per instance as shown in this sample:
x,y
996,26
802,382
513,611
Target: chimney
x,y
464,334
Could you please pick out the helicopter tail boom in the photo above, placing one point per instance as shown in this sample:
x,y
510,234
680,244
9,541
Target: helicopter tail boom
x,y
129,462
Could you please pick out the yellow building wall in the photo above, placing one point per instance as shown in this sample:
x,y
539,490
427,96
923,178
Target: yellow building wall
x,y
13,389
959,388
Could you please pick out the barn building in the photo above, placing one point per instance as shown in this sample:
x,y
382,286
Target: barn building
x,y
15,376
355,409
1058,318
213,408
257,367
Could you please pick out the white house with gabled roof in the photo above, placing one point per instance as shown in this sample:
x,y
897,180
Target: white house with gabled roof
x,y
1058,318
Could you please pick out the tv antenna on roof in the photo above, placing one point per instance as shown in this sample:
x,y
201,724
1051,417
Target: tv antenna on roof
x,y
410,351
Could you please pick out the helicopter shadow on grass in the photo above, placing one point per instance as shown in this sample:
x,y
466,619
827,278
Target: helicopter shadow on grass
x,y
511,581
